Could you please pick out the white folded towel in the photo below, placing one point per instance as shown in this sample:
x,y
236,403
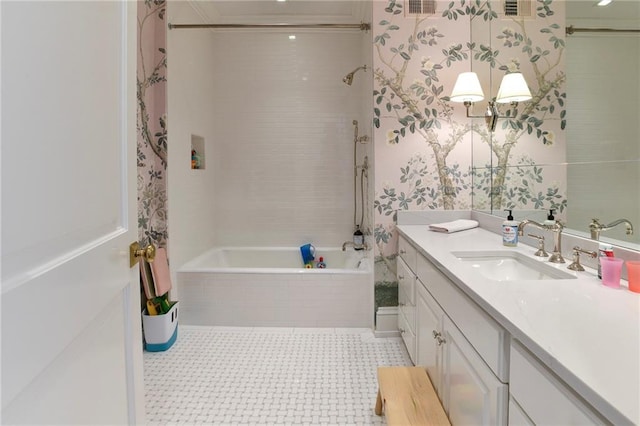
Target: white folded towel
x,y
455,226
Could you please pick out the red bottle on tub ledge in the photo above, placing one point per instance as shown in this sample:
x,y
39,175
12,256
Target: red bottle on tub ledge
x,y
321,264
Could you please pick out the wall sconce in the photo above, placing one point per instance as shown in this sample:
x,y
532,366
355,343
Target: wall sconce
x,y
513,89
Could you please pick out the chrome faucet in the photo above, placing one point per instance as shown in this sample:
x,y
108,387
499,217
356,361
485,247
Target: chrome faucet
x,y
556,228
596,227
362,246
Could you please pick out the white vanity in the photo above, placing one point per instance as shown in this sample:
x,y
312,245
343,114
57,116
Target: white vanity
x,y
563,350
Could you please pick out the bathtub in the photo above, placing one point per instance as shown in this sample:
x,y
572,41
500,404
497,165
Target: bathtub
x,y
269,287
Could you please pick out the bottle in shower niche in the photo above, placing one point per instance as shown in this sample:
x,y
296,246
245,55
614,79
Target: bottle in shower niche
x,y
358,239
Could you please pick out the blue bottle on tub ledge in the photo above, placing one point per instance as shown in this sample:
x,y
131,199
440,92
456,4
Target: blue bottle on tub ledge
x,y
308,253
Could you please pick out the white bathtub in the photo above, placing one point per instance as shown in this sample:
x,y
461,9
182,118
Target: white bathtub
x,y
269,287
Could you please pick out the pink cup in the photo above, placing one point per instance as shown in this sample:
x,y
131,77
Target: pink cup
x,y
633,274
611,271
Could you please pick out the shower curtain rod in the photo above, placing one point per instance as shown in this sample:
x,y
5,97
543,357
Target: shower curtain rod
x,y
363,26
571,29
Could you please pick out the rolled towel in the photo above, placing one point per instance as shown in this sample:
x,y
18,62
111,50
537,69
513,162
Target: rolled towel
x,y
454,226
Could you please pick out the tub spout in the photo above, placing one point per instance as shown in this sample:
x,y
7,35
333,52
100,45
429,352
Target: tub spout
x,y
355,246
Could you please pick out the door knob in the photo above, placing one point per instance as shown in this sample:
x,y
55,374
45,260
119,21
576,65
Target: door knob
x,y
135,252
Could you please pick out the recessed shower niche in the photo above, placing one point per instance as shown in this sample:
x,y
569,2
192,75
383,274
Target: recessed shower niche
x,y
197,153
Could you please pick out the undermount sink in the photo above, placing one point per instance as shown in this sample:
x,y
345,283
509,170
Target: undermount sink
x,y
505,265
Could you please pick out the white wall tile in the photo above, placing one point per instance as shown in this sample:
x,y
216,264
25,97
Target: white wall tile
x,y
190,207
284,137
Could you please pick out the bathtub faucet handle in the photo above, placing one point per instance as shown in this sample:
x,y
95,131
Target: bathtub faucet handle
x,y
363,246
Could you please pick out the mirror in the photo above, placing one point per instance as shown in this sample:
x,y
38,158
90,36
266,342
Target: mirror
x,y
575,147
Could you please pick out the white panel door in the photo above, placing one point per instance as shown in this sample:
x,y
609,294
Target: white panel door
x,y
71,335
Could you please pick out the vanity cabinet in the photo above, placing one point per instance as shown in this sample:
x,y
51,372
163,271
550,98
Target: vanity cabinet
x,y
464,351
535,374
538,397
485,335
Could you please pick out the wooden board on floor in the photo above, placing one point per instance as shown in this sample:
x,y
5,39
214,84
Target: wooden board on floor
x,y
407,397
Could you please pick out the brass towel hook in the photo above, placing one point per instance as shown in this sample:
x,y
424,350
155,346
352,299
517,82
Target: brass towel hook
x,y
135,252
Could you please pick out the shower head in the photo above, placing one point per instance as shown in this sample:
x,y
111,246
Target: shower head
x,y
348,79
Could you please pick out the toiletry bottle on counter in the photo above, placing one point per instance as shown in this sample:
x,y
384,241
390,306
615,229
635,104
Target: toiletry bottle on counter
x,y
550,219
510,231
321,264
358,238
604,250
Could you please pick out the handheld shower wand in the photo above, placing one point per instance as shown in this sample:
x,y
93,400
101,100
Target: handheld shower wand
x,y
364,167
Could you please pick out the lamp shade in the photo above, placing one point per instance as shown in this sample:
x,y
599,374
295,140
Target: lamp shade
x,y
513,89
467,88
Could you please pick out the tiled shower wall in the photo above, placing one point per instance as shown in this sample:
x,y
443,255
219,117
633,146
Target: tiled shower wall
x,y
282,153
189,99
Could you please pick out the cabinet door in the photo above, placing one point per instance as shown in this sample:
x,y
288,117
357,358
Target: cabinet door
x,y
408,336
472,394
517,417
429,334
545,399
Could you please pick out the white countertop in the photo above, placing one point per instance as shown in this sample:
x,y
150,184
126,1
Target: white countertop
x,y
586,333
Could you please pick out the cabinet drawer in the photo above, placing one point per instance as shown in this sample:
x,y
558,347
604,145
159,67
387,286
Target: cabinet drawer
x,y
408,336
544,398
488,338
407,252
407,309
406,282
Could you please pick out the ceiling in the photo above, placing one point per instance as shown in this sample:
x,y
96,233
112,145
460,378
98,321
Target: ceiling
x,y
290,11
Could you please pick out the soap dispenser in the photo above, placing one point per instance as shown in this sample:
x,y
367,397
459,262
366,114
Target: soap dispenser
x,y
510,231
550,219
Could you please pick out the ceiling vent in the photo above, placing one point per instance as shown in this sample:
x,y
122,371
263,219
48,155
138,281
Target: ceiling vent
x,y
420,7
518,9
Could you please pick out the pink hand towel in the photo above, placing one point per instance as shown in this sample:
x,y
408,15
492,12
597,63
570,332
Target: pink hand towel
x,y
161,274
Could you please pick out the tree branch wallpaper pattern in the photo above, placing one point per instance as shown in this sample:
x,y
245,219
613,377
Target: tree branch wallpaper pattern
x,y
152,123
425,144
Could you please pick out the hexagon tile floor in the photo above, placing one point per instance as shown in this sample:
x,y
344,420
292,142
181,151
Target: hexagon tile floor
x,y
268,376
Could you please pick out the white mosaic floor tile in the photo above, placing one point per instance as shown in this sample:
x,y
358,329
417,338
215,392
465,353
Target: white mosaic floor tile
x,y
260,376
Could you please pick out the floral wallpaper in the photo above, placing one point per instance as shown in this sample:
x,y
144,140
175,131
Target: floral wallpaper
x,y
152,123
425,144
